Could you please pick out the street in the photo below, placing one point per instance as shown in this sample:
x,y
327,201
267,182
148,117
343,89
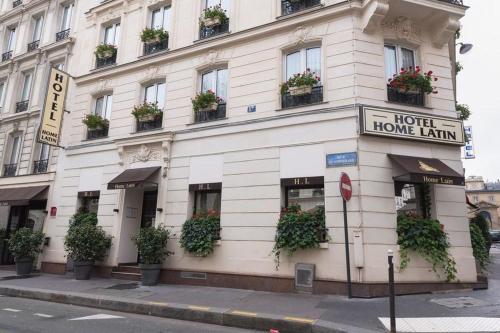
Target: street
x,y
30,316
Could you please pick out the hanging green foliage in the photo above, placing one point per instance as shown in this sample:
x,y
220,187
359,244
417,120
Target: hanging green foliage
x,y
463,111
479,246
199,234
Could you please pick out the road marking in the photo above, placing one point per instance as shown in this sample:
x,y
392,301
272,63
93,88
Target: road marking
x,y
445,324
201,308
43,315
11,310
158,303
300,320
97,317
244,313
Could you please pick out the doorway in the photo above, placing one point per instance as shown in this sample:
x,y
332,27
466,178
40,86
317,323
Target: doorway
x,y
148,216
17,220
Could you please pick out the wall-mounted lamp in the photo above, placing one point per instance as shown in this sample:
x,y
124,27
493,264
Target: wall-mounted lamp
x,y
465,48
46,241
159,210
116,210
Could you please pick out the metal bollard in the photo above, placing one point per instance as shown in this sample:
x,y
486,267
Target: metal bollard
x,y
392,294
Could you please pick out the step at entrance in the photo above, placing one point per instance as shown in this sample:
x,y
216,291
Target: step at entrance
x,y
127,272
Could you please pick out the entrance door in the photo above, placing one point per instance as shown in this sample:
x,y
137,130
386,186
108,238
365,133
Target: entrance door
x,y
149,209
17,220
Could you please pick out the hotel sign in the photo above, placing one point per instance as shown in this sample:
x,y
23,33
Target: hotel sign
x,y
50,127
411,126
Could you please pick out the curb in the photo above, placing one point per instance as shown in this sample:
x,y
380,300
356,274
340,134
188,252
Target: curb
x,y
208,315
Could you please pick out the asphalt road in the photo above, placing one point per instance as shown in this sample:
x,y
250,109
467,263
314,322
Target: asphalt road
x,y
29,316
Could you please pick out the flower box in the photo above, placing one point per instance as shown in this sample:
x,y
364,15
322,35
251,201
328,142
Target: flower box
x,y
211,22
210,107
154,40
301,90
105,54
147,117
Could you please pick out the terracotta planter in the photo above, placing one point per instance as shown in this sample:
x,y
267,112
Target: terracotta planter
x,y
210,107
301,90
211,22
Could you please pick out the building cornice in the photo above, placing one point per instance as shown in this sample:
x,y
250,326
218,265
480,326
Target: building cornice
x,y
21,9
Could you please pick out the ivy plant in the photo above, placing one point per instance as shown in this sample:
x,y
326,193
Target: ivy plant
x,y
86,242
26,243
484,226
199,234
479,246
152,244
463,111
425,238
298,230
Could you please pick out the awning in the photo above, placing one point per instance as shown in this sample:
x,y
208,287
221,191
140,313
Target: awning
x,y
132,178
20,196
426,170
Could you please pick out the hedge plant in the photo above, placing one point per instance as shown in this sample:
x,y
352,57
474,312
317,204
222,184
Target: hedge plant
x,y
479,246
152,244
26,243
86,242
298,230
200,233
425,238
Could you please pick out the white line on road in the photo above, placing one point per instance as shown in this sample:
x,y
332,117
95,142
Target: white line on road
x,y
11,310
43,315
445,324
97,316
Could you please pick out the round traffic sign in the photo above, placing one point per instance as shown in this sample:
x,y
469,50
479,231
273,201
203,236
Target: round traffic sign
x,y
345,186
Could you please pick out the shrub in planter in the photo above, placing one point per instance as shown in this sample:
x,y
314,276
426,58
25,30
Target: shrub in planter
x,y
24,245
147,112
151,35
105,51
95,122
413,81
206,101
200,233
213,16
426,238
152,247
479,246
298,230
85,244
300,84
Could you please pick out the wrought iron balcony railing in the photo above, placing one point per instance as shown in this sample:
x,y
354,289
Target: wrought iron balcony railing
x,y
146,125
289,101
33,45
97,133
22,106
203,116
9,170
155,47
6,56
293,6
40,166
104,62
411,98
207,32
17,3
62,35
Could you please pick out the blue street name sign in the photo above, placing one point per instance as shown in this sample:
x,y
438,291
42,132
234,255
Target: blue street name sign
x,y
341,160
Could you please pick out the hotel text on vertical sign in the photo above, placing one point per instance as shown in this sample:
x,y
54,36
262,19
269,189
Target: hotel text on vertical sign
x,y
50,127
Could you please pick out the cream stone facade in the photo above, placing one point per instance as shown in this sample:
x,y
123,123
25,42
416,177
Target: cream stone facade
x,y
257,138
486,197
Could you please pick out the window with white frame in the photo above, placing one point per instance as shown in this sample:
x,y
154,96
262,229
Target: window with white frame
x,y
216,81
307,59
396,58
10,39
3,86
37,28
27,82
103,106
66,13
112,34
223,3
155,93
14,150
44,152
160,18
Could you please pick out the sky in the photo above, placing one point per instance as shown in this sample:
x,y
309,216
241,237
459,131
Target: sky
x,y
478,85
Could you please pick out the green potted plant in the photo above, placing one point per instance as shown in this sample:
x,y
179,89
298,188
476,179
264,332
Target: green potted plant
x,y
153,35
413,81
24,245
213,16
300,84
206,101
152,247
95,122
105,51
200,233
86,243
147,112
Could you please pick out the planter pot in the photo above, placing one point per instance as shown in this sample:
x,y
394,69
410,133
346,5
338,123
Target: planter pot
x,y
105,55
210,107
301,90
295,1
211,22
409,92
24,266
148,117
83,269
155,40
150,274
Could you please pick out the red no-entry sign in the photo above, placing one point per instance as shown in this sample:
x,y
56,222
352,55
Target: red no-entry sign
x,y
345,186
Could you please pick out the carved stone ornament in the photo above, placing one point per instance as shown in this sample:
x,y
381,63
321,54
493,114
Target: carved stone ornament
x,y
403,28
101,86
301,35
212,57
145,154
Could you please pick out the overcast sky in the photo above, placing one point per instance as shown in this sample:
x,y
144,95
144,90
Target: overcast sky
x,y
479,85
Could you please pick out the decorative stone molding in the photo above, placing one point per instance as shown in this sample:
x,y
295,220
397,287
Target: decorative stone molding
x,y
301,35
153,73
145,154
101,86
402,28
443,33
374,14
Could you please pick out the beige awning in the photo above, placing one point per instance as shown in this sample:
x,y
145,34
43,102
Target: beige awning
x,y
20,196
132,178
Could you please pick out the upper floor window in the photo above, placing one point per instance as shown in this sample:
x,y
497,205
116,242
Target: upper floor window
x,y
155,93
66,14
37,28
103,106
211,3
112,34
308,59
107,51
214,18
160,18
98,121
292,6
41,164
3,86
214,81
396,58
10,38
23,103
475,198
10,164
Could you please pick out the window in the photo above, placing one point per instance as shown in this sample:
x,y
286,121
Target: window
x,y
308,193
10,166
103,106
160,18
155,93
37,28
303,60
44,152
14,153
207,201
112,34
2,92
397,57
66,17
476,199
491,198
25,94
88,202
223,3
11,37
42,163
215,80
409,200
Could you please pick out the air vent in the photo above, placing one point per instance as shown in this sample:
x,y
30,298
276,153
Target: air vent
x,y
304,277
194,275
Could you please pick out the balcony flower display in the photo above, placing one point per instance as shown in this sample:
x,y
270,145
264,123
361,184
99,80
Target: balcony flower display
x,y
300,84
152,36
105,51
95,122
206,101
147,112
213,16
413,81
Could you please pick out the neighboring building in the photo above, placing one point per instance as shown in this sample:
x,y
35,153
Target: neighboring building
x,y
34,35
486,196
259,151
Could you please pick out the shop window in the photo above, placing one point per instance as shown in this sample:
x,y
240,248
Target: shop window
x,y
412,199
207,198
88,201
308,193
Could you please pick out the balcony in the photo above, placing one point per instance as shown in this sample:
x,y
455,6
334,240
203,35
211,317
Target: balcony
x,y
155,47
17,3
61,35
410,98
104,62
22,106
203,116
6,56
289,101
293,6
33,45
40,166
147,125
207,32
97,133
9,170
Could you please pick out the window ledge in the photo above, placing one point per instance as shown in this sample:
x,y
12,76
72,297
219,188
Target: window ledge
x,y
207,122
146,56
301,106
300,12
324,245
224,34
96,139
410,105
159,129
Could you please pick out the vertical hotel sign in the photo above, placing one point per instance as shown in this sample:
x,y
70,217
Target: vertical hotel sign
x,y
50,127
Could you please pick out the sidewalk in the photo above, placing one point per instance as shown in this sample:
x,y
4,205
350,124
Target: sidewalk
x,y
254,309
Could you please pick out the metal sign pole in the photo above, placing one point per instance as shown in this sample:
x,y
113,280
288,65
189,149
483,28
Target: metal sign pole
x,y
347,260
392,294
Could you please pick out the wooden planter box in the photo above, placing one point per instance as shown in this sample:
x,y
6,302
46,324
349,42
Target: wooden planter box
x,y
298,91
155,40
211,22
105,55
